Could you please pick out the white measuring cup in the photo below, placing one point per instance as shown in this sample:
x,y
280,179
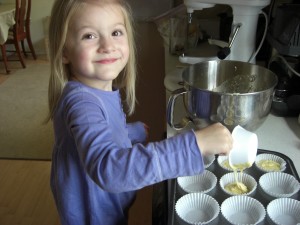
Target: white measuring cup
x,y
244,149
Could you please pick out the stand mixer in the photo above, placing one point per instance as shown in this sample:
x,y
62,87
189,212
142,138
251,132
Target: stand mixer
x,y
242,40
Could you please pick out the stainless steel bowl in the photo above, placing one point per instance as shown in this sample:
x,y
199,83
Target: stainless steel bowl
x,y
231,92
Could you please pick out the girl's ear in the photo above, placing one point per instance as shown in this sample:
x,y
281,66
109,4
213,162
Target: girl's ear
x,y
65,59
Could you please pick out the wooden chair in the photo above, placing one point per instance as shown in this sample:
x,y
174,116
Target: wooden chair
x,y
19,32
3,51
27,30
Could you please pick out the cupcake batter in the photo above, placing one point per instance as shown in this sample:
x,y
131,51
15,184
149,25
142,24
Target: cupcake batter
x,y
226,165
236,188
269,165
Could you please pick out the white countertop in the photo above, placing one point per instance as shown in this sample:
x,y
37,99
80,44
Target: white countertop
x,y
280,134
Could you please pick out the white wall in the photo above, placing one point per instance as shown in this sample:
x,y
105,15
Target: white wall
x,y
40,9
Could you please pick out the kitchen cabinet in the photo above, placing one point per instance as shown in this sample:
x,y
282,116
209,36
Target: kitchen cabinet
x,y
150,91
144,9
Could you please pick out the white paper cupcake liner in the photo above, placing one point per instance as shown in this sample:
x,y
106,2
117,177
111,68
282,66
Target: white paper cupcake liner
x,y
284,211
197,208
243,210
272,157
208,160
224,159
279,185
246,179
204,183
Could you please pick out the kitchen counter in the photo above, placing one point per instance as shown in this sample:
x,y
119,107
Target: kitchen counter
x,y
281,134
278,134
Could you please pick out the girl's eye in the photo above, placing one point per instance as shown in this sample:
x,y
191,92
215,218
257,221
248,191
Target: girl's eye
x,y
89,36
117,33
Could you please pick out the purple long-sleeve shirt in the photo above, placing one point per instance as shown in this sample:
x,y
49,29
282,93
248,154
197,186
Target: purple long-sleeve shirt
x,y
99,160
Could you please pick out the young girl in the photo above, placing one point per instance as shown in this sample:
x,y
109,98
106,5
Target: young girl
x,y
98,159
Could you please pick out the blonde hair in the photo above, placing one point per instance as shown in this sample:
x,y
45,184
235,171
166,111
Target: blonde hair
x,y
61,16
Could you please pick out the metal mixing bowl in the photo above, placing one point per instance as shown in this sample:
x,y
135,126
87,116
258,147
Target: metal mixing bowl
x,y
231,92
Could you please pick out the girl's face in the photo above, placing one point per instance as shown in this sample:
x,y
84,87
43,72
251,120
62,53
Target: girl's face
x,y
96,47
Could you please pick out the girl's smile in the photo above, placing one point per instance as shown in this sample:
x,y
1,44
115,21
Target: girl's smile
x,y
107,61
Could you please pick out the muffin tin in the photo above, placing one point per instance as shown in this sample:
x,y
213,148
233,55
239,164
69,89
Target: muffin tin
x,y
175,194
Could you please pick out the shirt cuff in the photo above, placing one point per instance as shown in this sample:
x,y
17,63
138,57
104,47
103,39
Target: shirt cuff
x,y
136,132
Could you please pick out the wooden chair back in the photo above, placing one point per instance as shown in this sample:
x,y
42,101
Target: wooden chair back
x,y
20,17
20,32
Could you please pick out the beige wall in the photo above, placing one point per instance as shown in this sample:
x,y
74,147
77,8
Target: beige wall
x,y
40,9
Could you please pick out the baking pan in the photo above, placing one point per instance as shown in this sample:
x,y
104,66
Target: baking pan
x,y
166,194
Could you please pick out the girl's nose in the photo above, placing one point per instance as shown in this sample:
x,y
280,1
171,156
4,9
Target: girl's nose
x,y
106,45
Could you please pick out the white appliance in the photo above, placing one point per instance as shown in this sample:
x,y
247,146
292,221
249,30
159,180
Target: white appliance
x,y
242,42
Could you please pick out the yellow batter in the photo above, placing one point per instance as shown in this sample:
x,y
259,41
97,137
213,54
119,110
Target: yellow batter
x,y
239,167
226,165
238,187
269,165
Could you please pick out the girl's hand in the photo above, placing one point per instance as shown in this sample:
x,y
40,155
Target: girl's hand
x,y
214,139
146,127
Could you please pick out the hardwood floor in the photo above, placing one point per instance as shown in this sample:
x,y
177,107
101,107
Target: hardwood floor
x,y
25,196
26,199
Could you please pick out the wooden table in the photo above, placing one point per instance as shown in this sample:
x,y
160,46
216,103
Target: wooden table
x,y
7,19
